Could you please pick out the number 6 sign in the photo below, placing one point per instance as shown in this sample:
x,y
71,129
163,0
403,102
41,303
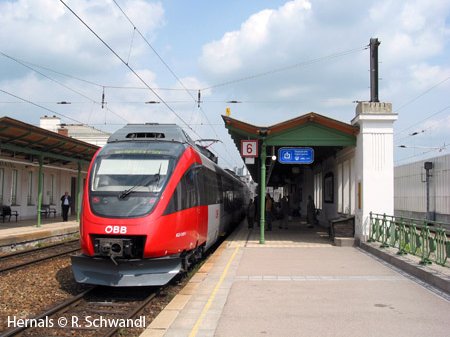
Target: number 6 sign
x,y
249,148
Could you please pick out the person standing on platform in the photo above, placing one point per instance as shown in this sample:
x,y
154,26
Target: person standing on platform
x,y
311,212
269,205
284,212
65,205
251,213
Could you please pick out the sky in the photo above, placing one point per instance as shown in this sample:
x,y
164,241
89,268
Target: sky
x,y
278,59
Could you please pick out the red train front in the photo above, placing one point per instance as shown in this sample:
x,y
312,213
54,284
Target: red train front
x,y
153,203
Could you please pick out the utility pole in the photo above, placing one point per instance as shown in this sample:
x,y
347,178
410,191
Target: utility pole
x,y
374,43
428,165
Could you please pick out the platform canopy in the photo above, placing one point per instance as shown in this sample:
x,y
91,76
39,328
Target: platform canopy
x,y
27,142
325,135
23,142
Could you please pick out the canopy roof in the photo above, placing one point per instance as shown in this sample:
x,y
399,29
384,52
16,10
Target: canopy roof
x,y
27,142
325,135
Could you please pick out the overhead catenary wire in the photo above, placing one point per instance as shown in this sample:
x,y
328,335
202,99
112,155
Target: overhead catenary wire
x,y
422,94
100,85
289,67
422,153
422,130
32,66
174,75
131,69
40,106
126,64
22,63
422,120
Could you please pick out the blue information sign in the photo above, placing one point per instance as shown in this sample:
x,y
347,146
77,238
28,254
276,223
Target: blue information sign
x,y
296,155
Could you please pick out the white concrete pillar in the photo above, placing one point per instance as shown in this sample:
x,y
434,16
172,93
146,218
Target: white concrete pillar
x,y
374,163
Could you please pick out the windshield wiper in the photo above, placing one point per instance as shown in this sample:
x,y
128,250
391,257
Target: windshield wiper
x,y
146,182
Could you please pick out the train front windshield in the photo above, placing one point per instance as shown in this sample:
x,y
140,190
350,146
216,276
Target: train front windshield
x,y
127,182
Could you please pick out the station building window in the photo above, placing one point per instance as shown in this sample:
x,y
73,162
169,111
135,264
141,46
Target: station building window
x,y
2,184
14,181
30,189
52,189
318,190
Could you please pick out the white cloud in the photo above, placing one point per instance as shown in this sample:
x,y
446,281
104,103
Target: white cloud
x,y
44,32
259,34
414,36
424,76
438,125
47,31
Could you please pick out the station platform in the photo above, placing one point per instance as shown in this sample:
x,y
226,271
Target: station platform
x,y
24,233
299,284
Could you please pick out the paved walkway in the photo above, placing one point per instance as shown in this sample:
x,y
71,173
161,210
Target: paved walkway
x,y
25,233
299,284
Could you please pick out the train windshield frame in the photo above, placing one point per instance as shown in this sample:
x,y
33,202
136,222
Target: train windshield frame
x,y
127,179
130,173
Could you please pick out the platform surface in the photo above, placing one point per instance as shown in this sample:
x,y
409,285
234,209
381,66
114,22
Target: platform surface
x,y
18,233
299,284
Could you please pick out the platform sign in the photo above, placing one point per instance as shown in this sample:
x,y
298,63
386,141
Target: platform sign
x,y
296,155
249,148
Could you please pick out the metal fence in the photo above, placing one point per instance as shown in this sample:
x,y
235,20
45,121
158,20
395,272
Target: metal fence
x,y
423,238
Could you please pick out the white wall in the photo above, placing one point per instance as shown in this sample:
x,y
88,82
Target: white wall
x,y
410,189
374,163
62,184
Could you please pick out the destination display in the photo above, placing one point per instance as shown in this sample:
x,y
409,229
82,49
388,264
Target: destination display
x,y
296,155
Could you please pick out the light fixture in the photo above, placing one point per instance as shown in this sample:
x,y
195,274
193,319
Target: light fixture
x,y
274,157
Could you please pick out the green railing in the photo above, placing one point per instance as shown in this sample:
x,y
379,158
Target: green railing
x,y
423,238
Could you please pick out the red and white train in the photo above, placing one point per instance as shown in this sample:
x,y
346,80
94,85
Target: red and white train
x,y
154,202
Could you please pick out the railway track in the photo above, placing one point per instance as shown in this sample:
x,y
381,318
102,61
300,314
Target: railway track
x,y
98,311
32,256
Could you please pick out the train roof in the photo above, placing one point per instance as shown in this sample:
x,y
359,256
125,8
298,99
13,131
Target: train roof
x,y
157,132
149,132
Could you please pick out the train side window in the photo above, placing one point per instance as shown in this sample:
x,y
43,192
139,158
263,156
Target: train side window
x,y
175,201
190,190
200,177
220,189
186,193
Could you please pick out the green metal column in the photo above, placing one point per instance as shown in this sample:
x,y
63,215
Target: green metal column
x,y
79,189
39,192
263,192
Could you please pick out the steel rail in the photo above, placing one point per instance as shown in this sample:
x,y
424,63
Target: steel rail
x,y
33,250
24,264
134,312
49,312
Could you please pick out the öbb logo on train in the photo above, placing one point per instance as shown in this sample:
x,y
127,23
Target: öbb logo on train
x,y
115,229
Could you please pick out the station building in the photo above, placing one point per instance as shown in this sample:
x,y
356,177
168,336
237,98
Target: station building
x,y
81,132
37,166
351,175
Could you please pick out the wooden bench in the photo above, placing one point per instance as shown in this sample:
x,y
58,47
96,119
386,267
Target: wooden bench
x,y
5,211
47,210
